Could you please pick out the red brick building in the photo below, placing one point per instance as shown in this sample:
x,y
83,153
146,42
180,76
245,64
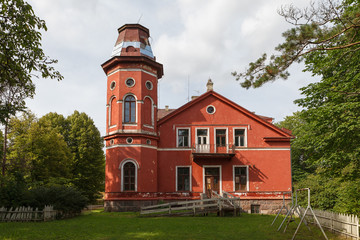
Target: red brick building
x,y
208,144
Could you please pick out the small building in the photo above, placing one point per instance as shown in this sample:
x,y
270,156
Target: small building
x,y
208,146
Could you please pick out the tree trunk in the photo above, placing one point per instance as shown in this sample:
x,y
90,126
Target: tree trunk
x,y
4,149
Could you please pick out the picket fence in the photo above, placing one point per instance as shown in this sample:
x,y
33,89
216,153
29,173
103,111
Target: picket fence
x,y
341,223
24,214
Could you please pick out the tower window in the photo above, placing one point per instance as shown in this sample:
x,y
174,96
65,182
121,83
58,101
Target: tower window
x,y
129,176
130,109
129,140
112,85
149,85
130,82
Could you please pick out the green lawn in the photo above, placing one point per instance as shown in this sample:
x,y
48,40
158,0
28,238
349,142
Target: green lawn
x,y
100,225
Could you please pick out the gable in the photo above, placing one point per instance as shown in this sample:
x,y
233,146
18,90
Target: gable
x,y
226,113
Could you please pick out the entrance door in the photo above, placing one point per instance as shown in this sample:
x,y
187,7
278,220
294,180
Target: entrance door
x,y
212,180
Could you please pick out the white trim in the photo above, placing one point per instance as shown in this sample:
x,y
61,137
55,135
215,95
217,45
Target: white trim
x,y
148,126
245,136
177,135
226,136
247,176
190,177
220,180
132,70
131,145
262,149
174,149
123,162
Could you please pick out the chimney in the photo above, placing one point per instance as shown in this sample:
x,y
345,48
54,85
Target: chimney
x,y
166,108
209,85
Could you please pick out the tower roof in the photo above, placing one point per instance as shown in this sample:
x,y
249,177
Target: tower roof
x,y
133,40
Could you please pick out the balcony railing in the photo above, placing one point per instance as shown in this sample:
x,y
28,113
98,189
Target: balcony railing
x,y
213,149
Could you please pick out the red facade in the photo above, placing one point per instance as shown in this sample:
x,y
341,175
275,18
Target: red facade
x,y
210,144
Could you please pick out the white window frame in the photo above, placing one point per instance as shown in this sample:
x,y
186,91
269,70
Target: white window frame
x,y
247,176
136,110
190,177
177,137
226,138
122,164
245,136
220,176
208,135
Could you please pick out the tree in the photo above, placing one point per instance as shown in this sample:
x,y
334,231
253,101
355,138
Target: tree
x,y
327,38
86,144
21,58
328,26
38,151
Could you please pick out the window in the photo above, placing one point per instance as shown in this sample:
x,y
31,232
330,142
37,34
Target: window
x,y
183,139
239,137
112,85
255,208
210,109
240,178
129,175
130,109
202,135
220,137
129,140
149,85
183,179
130,82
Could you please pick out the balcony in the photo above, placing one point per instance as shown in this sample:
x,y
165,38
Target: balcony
x,y
213,151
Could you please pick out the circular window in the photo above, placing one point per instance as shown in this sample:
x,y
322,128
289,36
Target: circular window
x,y
129,140
149,85
112,142
148,141
130,82
112,85
210,109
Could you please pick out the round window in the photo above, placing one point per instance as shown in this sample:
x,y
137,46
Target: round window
x,y
111,141
210,109
129,140
149,85
148,141
112,85
130,82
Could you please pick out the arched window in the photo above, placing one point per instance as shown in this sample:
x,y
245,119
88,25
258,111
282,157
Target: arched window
x,y
130,109
129,176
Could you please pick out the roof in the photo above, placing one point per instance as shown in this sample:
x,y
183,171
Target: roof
x,y
164,115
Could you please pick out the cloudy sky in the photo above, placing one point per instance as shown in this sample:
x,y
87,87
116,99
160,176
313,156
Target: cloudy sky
x,y
193,39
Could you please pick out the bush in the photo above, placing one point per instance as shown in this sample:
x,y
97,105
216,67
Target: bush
x,y
67,200
14,192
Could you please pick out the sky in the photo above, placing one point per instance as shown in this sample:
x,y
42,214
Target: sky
x,y
194,40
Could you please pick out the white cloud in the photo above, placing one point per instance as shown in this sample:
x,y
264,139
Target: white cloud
x,y
194,40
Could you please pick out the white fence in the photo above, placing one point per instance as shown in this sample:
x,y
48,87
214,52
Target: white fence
x,y
337,222
24,214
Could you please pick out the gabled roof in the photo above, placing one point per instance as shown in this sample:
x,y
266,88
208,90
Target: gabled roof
x,y
261,119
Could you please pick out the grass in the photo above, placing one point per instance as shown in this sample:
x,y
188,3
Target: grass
x,y
106,226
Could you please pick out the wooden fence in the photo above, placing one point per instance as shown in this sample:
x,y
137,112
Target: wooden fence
x,y
193,207
341,223
25,214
